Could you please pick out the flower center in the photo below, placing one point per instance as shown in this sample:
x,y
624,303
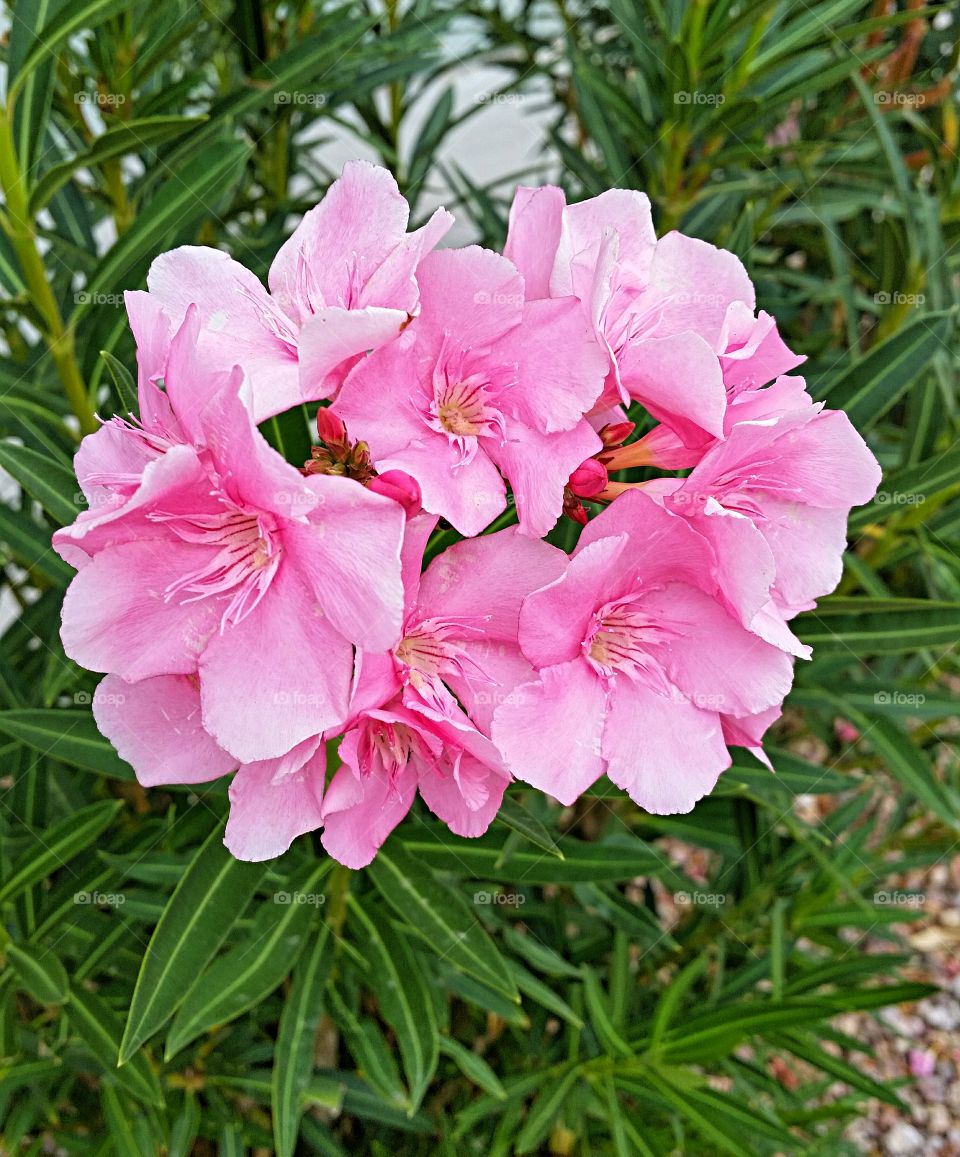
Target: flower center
x,y
620,640
242,555
465,405
431,650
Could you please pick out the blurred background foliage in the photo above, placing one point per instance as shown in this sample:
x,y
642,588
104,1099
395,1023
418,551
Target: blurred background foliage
x,y
587,981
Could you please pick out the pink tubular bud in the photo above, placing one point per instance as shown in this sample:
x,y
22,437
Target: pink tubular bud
x,y
329,426
588,479
400,487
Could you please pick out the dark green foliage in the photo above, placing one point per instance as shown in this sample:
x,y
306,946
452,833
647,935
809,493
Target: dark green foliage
x,y
524,992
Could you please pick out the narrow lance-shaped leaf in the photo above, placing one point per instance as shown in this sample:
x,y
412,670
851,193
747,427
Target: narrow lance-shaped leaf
x,y
293,1057
208,901
439,917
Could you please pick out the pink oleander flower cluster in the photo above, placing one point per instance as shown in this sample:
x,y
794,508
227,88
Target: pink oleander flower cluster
x,y
274,620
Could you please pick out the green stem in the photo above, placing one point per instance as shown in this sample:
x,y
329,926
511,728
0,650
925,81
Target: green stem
x,y
24,240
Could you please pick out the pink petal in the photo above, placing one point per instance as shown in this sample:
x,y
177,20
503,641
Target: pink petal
x,y
279,676
678,379
360,219
484,580
116,618
234,308
267,812
472,292
359,812
554,620
349,555
566,704
156,726
664,752
714,660
467,802
536,219
693,283
562,367
469,495
538,467
333,335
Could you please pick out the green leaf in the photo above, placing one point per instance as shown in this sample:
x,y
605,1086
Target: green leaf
x,y
903,490
583,862
473,1067
50,483
30,545
373,1056
123,382
908,764
183,200
440,917
198,918
40,972
872,385
73,17
515,816
128,137
289,434
248,973
293,1058
855,627
545,1109
56,846
68,735
406,1003
100,1027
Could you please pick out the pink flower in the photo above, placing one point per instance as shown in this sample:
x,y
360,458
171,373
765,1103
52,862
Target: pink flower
x,y
388,755
664,310
341,285
420,716
478,388
773,500
638,667
227,562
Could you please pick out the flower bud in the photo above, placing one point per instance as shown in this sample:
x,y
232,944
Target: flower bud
x,y
588,479
400,487
329,426
616,433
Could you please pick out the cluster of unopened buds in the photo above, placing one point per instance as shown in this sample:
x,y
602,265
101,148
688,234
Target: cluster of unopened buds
x,y
274,620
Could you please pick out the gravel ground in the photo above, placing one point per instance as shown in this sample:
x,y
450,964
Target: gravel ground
x,y
918,1043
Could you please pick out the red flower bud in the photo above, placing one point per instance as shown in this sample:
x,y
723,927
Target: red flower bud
x,y
588,479
329,426
616,433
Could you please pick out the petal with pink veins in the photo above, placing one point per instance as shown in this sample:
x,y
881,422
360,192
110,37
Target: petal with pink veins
x,y
119,615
